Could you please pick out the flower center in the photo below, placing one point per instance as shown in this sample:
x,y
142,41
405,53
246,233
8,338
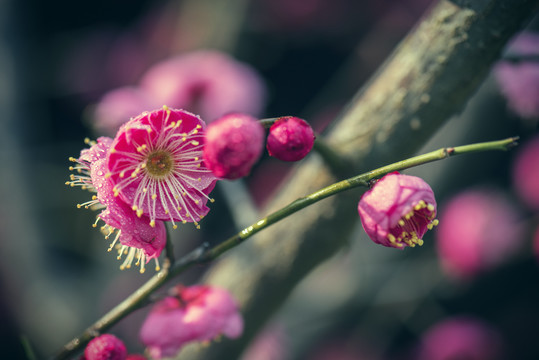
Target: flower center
x,y
159,163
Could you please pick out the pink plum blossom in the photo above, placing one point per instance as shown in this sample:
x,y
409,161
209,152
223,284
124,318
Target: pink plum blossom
x,y
526,173
479,229
519,81
105,347
196,313
290,139
398,210
207,82
138,239
460,338
155,165
234,143
118,106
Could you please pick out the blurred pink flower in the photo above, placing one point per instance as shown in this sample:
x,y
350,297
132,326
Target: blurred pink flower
x,y
196,313
290,139
536,243
118,106
519,81
206,82
526,173
270,344
105,347
139,240
234,143
398,210
479,229
155,164
460,338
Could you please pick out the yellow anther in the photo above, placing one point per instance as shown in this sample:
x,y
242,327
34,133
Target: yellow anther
x,y
154,196
212,200
122,174
107,175
435,222
139,212
401,222
174,226
391,238
195,143
165,107
134,207
112,150
430,207
152,223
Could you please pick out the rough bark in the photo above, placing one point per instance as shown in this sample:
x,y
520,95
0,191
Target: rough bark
x,y
429,78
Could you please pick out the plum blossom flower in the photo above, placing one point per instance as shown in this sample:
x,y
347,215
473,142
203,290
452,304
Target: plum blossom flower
x,y
207,82
234,143
398,210
519,81
196,313
526,173
479,230
155,165
138,239
105,347
461,337
290,139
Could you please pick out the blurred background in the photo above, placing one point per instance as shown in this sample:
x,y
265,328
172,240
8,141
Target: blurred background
x,y
59,63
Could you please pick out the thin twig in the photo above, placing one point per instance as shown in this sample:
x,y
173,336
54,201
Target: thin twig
x,y
203,254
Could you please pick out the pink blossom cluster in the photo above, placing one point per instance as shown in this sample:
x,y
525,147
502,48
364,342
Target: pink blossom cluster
x,y
196,313
205,82
151,172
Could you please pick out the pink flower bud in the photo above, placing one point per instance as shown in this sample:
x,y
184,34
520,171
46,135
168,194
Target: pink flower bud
x,y
479,229
290,139
526,173
196,313
105,347
398,210
461,338
234,143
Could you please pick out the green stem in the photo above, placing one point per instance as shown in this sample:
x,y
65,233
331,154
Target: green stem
x,y
203,254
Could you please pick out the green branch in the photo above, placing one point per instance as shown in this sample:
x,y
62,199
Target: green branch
x,y
203,254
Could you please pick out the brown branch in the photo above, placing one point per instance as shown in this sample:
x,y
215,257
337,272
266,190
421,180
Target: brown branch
x,y
429,78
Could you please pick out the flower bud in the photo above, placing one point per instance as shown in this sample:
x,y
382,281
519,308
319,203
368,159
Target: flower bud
x,y
290,139
105,347
234,143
